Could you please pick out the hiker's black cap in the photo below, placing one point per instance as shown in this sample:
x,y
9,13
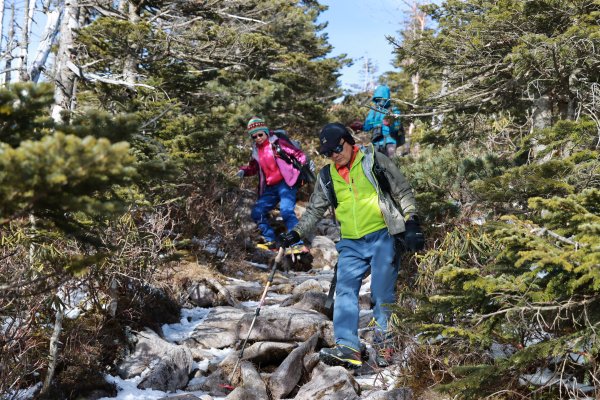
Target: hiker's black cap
x,y
331,135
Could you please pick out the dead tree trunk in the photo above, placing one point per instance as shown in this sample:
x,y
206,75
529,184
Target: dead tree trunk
x,y
29,9
129,68
47,39
417,26
541,116
1,21
66,79
53,355
10,47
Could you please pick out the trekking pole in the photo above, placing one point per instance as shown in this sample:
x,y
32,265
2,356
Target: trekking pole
x,y
277,260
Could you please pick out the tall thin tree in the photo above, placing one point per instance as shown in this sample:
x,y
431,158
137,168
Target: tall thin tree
x,y
66,78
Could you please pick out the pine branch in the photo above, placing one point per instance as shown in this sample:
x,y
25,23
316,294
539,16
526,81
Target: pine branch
x,y
537,308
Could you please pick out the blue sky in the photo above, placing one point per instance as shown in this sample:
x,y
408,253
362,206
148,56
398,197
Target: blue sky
x,y
358,28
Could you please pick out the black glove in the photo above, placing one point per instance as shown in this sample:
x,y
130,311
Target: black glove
x,y
289,238
413,237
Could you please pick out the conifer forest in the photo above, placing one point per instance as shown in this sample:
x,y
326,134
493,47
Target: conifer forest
x,y
123,124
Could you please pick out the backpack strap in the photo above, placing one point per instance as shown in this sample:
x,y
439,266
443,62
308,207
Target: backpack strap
x,y
382,179
328,183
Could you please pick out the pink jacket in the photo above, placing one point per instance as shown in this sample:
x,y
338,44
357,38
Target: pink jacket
x,y
289,173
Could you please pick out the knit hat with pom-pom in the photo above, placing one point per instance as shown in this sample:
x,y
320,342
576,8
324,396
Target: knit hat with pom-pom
x,y
257,124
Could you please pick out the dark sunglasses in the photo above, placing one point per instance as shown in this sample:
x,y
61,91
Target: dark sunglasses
x,y
337,149
257,135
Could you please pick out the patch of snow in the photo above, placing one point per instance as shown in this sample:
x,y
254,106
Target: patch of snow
x,y
72,313
249,304
75,301
9,322
384,379
190,319
257,265
201,366
478,221
25,394
210,245
128,390
545,377
500,351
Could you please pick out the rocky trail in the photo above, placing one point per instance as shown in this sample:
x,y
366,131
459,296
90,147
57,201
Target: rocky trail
x,y
195,359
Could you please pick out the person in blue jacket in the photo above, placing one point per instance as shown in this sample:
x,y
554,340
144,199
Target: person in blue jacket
x,y
386,133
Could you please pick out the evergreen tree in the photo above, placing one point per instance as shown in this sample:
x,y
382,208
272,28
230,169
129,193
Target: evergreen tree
x,y
531,59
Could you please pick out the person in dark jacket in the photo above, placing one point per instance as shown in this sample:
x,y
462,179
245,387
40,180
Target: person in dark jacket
x,y
373,225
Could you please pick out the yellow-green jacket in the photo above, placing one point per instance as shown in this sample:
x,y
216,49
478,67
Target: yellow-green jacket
x,y
355,210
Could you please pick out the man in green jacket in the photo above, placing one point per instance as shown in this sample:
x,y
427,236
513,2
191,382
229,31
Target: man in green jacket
x,y
370,222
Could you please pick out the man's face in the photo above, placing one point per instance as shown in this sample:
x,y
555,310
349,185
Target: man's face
x,y
344,156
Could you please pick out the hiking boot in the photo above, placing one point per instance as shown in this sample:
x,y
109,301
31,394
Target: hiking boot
x,y
298,248
270,246
364,354
384,357
341,355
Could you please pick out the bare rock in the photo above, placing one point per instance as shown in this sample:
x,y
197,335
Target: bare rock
x,y
394,394
243,291
214,384
252,388
283,288
219,329
313,300
288,374
268,352
163,365
202,295
286,324
310,361
307,286
330,383
323,250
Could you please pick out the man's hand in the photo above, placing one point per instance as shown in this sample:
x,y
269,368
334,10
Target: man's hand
x,y
289,238
413,237
240,174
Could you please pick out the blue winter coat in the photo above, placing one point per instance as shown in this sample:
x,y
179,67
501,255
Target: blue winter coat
x,y
390,134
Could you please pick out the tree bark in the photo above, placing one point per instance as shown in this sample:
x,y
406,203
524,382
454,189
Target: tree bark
x,y
66,80
417,26
9,46
47,39
29,10
1,21
129,68
541,116
53,354
438,119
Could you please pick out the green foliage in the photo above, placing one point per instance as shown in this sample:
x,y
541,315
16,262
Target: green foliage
x,y
23,113
435,178
530,285
59,175
496,57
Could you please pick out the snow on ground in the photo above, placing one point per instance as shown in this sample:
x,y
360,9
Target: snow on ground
x,y
128,390
25,394
385,379
190,319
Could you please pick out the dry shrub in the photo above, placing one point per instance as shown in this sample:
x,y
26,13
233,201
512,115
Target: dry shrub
x,y
220,215
91,344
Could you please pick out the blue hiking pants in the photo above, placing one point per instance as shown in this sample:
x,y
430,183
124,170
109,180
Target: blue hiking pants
x,y
280,193
355,256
